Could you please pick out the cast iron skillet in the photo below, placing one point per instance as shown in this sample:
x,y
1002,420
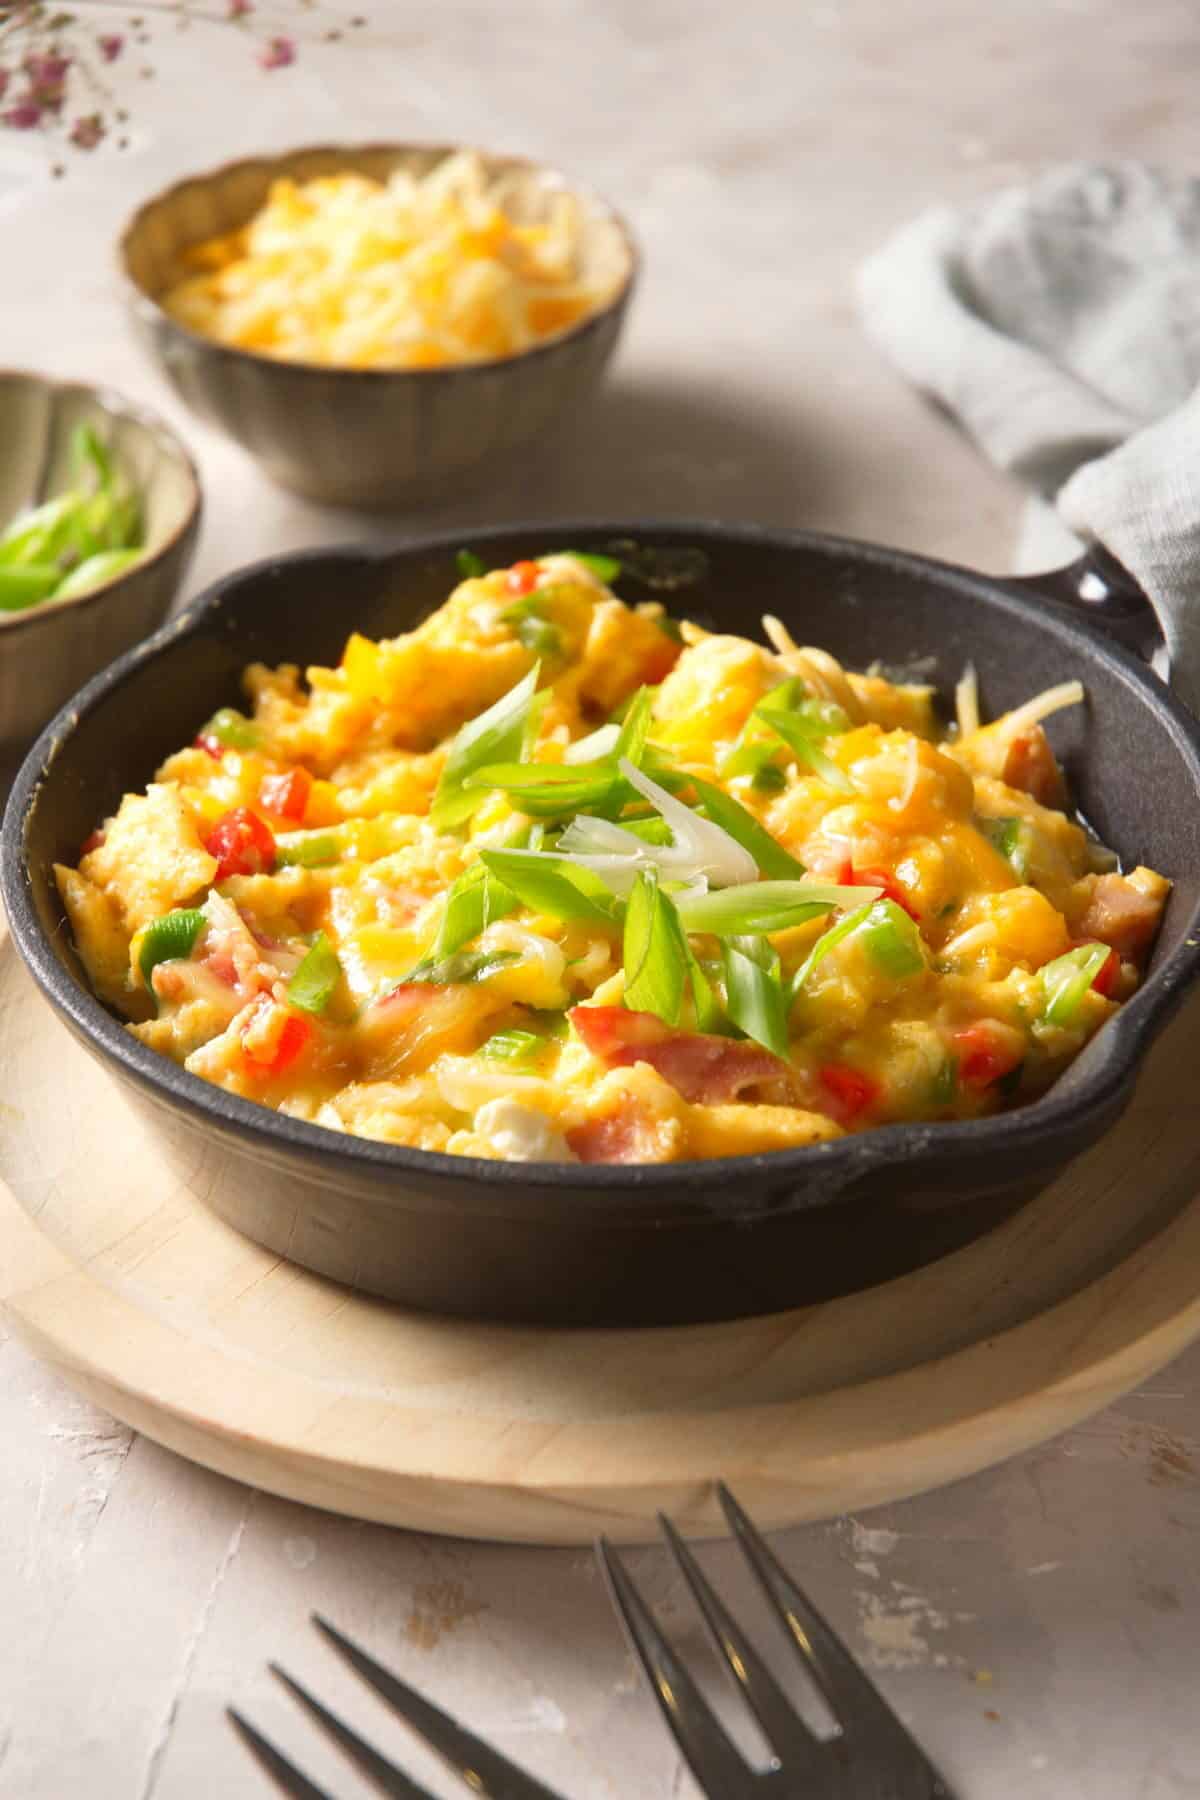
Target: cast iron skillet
x,y
648,1244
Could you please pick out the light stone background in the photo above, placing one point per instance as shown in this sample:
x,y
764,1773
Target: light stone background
x,y
1038,1624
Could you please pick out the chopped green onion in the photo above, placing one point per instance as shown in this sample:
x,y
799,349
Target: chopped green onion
x,y
553,885
709,1016
532,628
87,536
604,568
307,849
598,743
836,934
802,727
892,940
757,744
654,952
170,938
496,736
469,564
464,967
25,584
232,728
86,447
549,790
670,628
770,779
759,906
95,571
311,987
37,536
635,727
1067,981
473,902
514,1047
652,830
754,994
1013,839
744,828
889,937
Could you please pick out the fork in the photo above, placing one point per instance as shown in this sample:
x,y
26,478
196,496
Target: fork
x,y
872,1756
483,1769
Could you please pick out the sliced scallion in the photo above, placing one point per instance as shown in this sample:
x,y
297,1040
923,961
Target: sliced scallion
x,y
496,736
311,987
553,885
655,957
1067,981
754,992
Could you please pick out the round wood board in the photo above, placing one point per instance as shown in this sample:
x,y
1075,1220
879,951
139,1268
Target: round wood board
x,y
115,1273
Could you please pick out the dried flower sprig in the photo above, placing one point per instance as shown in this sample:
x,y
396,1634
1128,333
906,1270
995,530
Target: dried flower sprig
x,y
51,60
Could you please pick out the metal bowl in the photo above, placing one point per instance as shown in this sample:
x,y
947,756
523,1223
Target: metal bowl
x,y
369,437
52,649
651,1243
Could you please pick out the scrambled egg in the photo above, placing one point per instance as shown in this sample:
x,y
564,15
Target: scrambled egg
x,y
552,878
414,273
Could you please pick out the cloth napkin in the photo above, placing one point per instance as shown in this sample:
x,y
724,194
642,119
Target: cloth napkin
x,y
1060,324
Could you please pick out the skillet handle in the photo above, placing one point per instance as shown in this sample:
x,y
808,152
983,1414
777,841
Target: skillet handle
x,y
1102,591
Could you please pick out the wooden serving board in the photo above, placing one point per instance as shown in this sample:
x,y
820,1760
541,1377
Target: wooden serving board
x,y
115,1273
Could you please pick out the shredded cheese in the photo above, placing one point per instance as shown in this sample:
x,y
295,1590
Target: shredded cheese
x,y
966,702
415,272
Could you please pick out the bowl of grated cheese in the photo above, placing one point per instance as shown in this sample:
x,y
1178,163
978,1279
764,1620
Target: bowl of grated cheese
x,y
378,325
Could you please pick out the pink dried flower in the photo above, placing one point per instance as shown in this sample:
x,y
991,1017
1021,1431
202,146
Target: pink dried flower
x,y
47,76
47,70
279,53
87,132
111,47
24,116
239,8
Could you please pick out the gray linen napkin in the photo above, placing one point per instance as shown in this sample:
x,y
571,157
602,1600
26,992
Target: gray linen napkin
x,y
1060,323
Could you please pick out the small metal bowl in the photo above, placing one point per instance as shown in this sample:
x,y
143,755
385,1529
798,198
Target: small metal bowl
x,y
369,437
50,650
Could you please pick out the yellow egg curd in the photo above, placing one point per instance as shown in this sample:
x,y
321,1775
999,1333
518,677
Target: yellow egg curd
x,y
553,878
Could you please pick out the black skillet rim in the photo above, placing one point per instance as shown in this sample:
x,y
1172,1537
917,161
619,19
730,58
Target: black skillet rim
x,y
733,1184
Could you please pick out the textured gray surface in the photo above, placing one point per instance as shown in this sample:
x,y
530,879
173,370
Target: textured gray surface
x,y
1037,1624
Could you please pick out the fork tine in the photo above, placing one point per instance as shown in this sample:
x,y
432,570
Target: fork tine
x,y
710,1755
372,1762
786,1731
284,1773
481,1767
857,1703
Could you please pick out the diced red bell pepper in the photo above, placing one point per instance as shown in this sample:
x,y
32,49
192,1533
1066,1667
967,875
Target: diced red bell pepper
x,y
286,796
987,1052
268,1049
209,742
892,889
847,1092
91,842
522,577
1110,970
242,843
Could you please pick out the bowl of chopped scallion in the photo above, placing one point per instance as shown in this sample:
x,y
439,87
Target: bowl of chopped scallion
x,y
99,507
